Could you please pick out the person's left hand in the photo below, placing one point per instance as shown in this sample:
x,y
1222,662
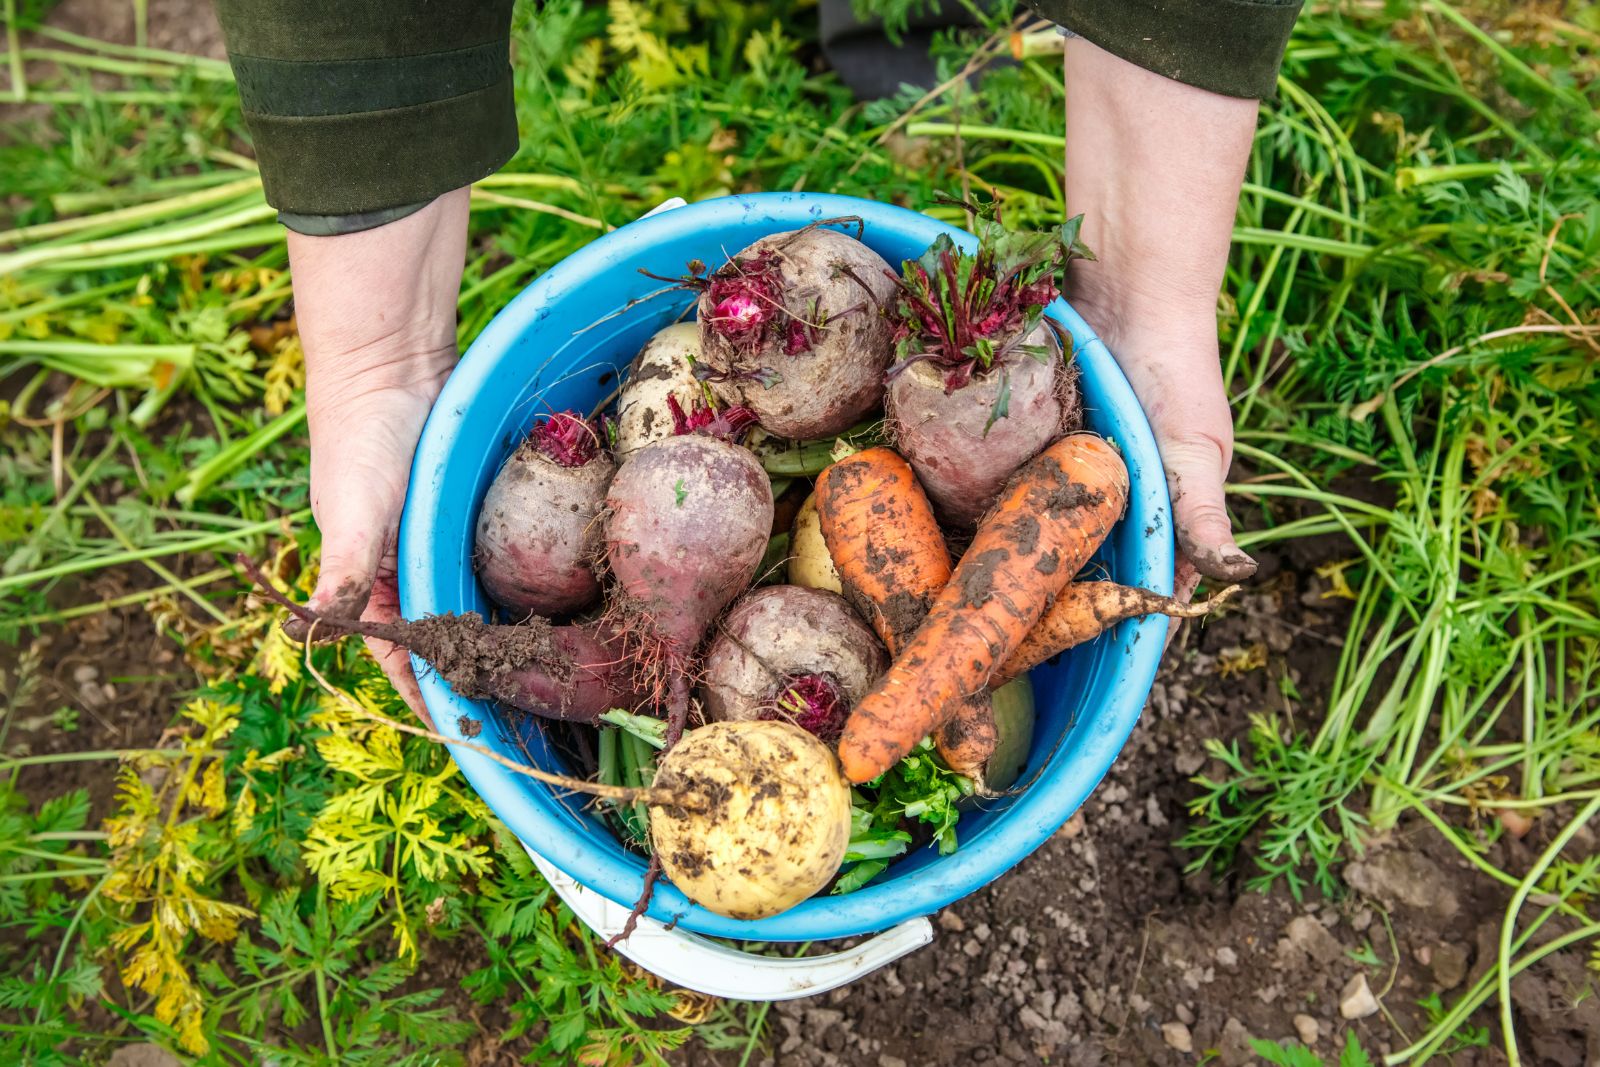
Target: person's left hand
x,y
1155,167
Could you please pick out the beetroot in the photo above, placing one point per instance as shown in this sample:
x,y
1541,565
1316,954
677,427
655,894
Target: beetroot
x,y
558,672
538,534
981,385
686,527
792,327
962,453
790,653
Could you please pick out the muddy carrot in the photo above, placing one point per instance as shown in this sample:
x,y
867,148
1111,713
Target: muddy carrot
x,y
885,542
1085,610
1052,515
876,518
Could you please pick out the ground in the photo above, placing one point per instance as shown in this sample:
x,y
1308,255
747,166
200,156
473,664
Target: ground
x,y
1102,947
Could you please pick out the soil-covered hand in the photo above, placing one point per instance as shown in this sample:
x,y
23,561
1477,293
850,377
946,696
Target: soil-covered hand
x,y
1155,167
376,312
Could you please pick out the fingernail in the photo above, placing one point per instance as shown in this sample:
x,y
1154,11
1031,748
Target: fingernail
x,y
1238,561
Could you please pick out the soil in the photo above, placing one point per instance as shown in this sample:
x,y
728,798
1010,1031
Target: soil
x,y
1102,948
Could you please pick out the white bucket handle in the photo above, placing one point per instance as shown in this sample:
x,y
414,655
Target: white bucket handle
x,y
705,966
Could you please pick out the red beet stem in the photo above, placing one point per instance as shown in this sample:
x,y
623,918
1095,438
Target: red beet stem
x,y
812,702
566,438
727,424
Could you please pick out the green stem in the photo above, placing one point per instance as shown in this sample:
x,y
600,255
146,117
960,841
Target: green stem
x,y
238,453
57,254
112,559
1509,926
13,762
19,78
138,213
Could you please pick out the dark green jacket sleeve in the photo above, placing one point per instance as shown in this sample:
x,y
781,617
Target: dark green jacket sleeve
x,y
367,107
1232,47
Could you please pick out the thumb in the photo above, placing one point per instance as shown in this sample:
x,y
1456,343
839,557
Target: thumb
x,y
354,540
1195,469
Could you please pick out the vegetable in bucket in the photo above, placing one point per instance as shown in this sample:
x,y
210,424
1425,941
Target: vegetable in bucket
x,y
909,681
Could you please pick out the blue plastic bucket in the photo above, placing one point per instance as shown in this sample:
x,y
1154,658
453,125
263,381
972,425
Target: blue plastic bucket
x,y
544,352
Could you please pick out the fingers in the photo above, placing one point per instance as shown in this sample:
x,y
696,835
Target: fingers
x,y
1196,467
384,606
1185,580
358,517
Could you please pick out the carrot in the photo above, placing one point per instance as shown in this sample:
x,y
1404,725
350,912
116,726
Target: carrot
x,y
1051,516
1085,610
969,737
885,542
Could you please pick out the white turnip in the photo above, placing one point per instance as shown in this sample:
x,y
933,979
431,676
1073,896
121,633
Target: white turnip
x,y
771,824
790,653
810,563
793,328
663,369
538,534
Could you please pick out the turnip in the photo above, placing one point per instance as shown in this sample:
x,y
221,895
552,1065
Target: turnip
x,y
774,824
793,328
789,653
538,536
981,385
810,564
663,368
559,672
686,526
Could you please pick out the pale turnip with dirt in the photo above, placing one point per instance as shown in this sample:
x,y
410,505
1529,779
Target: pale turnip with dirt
x,y
794,654
810,564
768,823
793,326
538,532
663,368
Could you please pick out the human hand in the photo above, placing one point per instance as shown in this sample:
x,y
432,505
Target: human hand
x,y
1155,167
377,317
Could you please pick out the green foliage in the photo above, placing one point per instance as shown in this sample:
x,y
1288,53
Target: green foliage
x,y
922,789
1408,330
1353,1055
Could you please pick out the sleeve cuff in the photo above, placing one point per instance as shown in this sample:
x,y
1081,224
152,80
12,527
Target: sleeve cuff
x,y
371,161
1231,47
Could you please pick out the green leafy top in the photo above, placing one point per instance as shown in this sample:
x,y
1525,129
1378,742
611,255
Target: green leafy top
x,y
963,311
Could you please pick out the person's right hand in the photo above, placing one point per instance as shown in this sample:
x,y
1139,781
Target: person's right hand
x,y
377,317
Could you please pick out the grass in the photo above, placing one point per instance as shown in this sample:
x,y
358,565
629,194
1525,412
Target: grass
x,y
1410,333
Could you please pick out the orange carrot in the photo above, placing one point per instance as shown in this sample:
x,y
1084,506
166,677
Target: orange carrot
x,y
892,561
969,737
885,542
1085,610
1051,516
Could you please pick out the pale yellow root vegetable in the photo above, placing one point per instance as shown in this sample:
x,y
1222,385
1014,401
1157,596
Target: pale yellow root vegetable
x,y
771,820
810,563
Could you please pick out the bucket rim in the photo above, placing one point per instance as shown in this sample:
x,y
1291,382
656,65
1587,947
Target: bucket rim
x,y
1032,817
